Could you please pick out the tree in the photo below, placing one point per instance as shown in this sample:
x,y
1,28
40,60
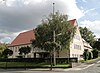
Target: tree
x,y
86,54
97,44
58,24
90,55
2,47
24,50
6,53
87,35
95,53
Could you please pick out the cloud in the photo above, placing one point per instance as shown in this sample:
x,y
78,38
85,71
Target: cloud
x,y
94,26
5,40
73,11
84,1
88,11
19,15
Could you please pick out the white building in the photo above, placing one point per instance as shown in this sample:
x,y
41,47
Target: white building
x,y
77,45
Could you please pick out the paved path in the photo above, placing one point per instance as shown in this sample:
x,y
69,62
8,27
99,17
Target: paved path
x,y
93,67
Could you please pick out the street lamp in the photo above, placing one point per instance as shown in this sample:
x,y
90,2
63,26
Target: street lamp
x,y
54,48
54,54
54,36
54,40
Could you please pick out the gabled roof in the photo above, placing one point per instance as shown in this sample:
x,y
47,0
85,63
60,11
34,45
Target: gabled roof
x,y
72,21
86,44
24,38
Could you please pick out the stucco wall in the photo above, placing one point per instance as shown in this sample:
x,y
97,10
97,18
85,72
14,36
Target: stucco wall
x,y
15,50
77,47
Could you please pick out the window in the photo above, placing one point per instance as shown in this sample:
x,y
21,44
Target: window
x,y
77,47
77,37
75,55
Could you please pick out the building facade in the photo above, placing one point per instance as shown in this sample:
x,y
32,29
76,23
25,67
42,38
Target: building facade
x,y
76,45
76,49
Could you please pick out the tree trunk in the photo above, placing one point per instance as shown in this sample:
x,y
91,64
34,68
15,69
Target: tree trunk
x,y
50,61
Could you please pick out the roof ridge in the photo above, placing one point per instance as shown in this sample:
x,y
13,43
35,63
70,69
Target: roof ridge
x,y
26,31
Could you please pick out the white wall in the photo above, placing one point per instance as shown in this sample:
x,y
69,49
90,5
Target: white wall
x,y
76,46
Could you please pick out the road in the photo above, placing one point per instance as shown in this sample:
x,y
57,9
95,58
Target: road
x,y
94,68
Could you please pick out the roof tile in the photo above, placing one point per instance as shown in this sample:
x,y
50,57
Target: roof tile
x,y
24,38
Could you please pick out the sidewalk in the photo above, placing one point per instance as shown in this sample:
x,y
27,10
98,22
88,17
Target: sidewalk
x,y
80,67
84,65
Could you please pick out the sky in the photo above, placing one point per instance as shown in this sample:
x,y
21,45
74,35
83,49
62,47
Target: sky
x,y
21,15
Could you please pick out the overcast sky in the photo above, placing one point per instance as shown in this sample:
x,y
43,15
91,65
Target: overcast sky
x,y
20,15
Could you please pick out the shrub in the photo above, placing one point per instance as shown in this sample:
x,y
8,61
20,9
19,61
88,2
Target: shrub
x,y
86,54
95,53
90,56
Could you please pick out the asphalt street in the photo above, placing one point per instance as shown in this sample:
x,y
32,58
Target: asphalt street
x,y
92,69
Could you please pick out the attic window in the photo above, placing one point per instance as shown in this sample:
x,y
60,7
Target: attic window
x,y
77,37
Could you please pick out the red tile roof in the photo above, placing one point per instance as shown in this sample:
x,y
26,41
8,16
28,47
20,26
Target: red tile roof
x,y
72,21
24,38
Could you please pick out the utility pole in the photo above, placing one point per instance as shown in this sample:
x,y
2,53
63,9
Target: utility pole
x,y
54,53
54,48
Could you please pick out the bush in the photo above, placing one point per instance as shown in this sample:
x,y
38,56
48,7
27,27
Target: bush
x,y
90,56
95,53
86,54
81,61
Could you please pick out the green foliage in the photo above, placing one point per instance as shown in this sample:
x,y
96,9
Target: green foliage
x,y
6,53
86,54
2,47
95,53
44,33
24,50
90,55
97,44
87,35
0,55
81,61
